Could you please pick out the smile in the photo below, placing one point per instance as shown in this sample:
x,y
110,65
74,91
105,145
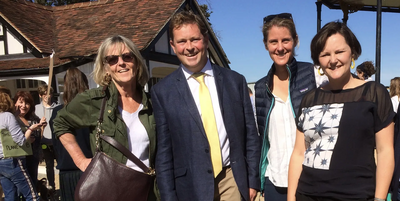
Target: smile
x,y
191,55
123,71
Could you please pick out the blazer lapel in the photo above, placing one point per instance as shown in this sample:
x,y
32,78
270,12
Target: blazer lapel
x,y
184,92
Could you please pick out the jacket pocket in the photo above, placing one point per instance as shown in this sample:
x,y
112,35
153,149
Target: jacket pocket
x,y
180,172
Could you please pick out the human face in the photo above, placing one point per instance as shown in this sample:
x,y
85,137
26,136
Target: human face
x,y
124,71
280,45
190,46
46,98
360,75
335,58
22,106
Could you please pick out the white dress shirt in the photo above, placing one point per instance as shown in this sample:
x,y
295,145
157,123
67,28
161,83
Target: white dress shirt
x,y
281,135
209,80
138,138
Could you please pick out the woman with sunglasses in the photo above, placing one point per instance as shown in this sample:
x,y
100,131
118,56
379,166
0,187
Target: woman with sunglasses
x,y
278,96
128,114
338,127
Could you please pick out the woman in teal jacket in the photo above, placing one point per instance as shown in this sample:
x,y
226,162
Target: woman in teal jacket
x,y
128,116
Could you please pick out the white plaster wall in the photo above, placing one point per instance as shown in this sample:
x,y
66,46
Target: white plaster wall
x,y
14,45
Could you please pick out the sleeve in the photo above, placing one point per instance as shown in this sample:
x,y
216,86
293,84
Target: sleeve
x,y
15,129
301,114
384,113
77,114
253,146
164,160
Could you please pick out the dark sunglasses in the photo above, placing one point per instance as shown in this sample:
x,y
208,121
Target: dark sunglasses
x,y
113,59
282,15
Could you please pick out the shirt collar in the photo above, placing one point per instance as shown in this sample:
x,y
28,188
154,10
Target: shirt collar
x,y
207,69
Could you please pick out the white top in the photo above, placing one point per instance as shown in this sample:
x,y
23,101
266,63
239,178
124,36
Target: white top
x,y
395,102
281,135
209,80
8,121
138,139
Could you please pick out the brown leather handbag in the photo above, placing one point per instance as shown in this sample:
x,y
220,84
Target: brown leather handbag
x,y
107,179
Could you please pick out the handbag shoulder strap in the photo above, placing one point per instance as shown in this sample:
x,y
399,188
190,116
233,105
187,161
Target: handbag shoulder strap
x,y
126,152
118,145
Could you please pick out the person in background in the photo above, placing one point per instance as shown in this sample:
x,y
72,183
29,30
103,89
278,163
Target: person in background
x,y
394,90
25,111
129,115
320,78
338,127
207,142
253,104
75,82
13,175
365,70
278,97
45,109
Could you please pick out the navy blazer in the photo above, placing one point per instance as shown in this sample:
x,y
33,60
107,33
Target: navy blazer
x,y
183,162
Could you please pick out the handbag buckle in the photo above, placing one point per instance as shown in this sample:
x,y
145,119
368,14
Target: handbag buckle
x,y
151,172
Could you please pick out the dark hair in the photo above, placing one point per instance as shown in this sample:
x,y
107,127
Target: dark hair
x,y
367,68
319,40
75,82
186,17
27,97
280,22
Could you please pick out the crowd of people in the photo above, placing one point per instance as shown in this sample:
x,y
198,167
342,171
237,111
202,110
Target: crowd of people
x,y
312,131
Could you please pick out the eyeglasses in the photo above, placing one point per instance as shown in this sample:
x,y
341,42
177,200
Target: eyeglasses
x,y
282,15
113,59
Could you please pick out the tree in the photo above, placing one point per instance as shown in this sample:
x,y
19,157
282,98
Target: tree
x,y
206,12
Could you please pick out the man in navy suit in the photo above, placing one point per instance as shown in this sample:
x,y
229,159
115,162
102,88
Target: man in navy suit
x,y
185,165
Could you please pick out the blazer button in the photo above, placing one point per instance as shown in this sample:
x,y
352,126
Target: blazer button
x,y
209,171
206,150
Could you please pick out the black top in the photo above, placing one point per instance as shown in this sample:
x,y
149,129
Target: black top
x,y
339,130
64,160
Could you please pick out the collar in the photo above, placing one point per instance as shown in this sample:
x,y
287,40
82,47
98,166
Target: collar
x,y
207,69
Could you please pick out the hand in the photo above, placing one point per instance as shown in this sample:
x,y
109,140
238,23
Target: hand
x,y
17,111
252,193
43,121
82,165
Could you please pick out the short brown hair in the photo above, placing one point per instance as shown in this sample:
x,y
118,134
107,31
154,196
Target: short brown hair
x,y
99,72
42,89
367,68
331,28
186,17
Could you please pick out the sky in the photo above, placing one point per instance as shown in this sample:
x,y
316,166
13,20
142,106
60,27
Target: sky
x,y
238,24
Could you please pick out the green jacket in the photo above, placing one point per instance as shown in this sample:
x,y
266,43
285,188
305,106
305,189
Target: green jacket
x,y
83,111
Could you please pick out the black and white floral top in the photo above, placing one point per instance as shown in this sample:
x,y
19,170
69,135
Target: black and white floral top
x,y
339,130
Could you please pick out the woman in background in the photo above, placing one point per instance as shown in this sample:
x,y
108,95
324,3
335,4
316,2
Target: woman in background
x,y
25,111
394,90
365,70
13,175
75,82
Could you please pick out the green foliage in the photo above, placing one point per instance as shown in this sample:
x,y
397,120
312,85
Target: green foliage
x,y
206,12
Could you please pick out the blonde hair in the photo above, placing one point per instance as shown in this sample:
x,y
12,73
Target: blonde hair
x,y
394,88
6,104
100,74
